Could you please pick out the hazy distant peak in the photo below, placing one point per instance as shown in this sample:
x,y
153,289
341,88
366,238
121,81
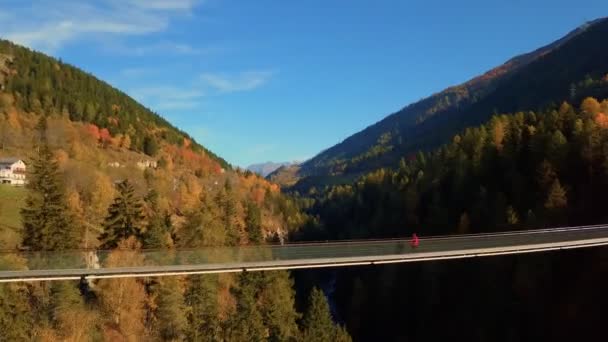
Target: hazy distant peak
x,y
264,169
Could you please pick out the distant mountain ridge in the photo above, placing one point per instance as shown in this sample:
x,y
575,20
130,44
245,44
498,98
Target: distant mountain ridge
x,y
264,169
525,82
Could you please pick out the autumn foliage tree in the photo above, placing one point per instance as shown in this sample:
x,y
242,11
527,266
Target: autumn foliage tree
x,y
123,299
590,105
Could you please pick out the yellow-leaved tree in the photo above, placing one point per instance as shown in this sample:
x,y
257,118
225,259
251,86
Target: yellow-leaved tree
x,y
123,299
590,105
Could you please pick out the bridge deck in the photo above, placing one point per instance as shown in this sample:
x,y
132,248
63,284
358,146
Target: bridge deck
x,y
34,266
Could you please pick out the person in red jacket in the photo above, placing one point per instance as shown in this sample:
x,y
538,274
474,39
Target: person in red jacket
x,y
415,241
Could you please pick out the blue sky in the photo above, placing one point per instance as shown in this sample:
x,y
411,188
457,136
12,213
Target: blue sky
x,y
282,80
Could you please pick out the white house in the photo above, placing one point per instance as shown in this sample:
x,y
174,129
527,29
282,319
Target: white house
x,y
12,171
145,164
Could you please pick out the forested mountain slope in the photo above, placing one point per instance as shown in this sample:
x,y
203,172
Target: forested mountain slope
x,y
100,136
518,171
39,83
106,173
569,69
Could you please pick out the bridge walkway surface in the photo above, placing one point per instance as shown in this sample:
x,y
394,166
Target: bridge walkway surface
x,y
64,265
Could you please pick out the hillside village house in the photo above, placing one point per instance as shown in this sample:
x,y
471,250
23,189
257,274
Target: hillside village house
x,y
12,171
145,164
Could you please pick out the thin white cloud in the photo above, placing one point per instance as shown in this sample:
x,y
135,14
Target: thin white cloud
x,y
164,4
244,81
170,98
39,38
167,92
54,35
48,25
158,48
168,105
167,98
136,72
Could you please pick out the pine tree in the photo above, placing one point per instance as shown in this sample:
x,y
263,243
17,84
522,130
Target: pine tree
x,y
170,310
531,220
342,335
125,217
464,224
545,174
158,228
16,321
65,304
277,305
156,234
317,323
225,200
47,224
512,217
558,147
556,199
253,222
246,323
150,146
202,302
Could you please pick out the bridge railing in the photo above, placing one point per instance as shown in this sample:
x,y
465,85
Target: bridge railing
x,y
123,258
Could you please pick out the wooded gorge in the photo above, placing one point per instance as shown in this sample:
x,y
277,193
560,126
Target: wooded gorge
x,y
519,171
